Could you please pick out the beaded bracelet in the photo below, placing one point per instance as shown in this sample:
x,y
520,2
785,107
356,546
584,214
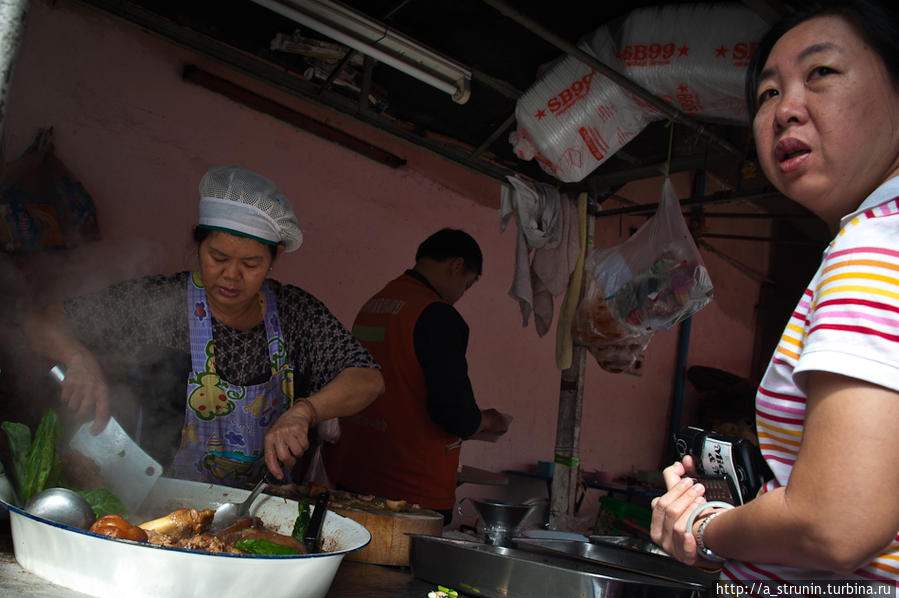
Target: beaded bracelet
x,y
701,548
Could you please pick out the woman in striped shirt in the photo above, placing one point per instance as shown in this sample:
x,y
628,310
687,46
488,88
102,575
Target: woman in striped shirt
x,y
824,91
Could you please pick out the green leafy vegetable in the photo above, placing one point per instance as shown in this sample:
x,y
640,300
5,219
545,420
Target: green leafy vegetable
x,y
44,463
18,437
104,502
302,522
260,546
36,463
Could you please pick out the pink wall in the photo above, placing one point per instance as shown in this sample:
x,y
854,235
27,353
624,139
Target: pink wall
x,y
139,138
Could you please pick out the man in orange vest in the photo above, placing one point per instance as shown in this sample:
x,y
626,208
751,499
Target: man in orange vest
x,y
404,446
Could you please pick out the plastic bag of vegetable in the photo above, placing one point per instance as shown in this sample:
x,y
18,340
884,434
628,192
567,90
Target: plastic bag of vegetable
x,y
653,280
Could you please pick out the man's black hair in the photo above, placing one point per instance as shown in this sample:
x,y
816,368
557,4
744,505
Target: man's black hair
x,y
449,243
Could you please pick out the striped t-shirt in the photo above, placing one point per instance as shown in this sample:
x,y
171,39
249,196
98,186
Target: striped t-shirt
x,y
847,322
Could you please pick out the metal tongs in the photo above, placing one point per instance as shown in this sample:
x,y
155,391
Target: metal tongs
x,y
312,538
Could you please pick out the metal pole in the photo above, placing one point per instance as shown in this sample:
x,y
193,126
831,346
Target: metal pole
x,y
683,349
12,27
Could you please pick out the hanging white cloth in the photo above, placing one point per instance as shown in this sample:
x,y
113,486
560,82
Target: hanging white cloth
x,y
547,247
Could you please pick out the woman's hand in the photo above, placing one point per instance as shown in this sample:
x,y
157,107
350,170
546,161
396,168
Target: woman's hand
x,y
288,438
84,391
348,393
671,511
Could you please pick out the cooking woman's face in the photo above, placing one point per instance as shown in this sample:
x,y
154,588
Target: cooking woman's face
x,y
233,268
827,128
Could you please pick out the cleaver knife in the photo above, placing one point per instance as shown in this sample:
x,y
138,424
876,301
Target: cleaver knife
x,y
127,470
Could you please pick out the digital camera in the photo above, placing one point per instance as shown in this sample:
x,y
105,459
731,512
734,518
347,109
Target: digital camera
x,y
731,468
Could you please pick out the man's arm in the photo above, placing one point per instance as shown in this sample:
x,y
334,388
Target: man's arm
x,y
441,340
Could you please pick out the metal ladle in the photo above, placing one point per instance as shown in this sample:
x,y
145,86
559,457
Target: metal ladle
x,y
62,505
229,513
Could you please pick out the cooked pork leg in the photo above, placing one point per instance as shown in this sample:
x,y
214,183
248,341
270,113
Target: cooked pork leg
x,y
182,523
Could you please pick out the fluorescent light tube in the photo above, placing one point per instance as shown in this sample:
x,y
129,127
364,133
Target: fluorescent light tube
x,y
375,39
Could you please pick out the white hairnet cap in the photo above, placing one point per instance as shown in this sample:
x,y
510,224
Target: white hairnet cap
x,y
244,202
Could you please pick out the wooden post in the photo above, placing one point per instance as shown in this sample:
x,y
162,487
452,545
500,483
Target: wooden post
x,y
571,359
568,433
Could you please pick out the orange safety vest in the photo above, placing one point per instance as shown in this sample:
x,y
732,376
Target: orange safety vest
x,y
392,449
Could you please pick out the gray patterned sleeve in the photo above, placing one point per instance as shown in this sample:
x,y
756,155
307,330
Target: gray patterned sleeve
x,y
319,345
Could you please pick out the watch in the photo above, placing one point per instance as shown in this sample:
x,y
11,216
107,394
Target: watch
x,y
701,548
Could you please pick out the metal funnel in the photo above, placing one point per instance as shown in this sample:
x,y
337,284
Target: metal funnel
x,y
501,515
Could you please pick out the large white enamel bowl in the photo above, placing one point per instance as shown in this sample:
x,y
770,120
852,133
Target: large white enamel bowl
x,y
108,568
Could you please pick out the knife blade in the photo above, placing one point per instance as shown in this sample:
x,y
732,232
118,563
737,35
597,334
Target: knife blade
x,y
127,470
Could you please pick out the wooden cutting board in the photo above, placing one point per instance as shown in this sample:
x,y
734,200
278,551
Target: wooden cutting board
x,y
389,542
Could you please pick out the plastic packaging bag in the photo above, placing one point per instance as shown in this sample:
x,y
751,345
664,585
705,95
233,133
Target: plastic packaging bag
x,y
693,56
652,281
573,119
316,472
329,430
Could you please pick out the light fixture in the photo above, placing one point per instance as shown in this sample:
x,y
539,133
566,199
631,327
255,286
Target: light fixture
x,y
375,39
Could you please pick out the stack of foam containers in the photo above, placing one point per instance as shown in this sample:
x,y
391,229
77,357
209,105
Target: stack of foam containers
x,y
693,56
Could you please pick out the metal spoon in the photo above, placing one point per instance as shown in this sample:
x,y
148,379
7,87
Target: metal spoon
x,y
230,512
62,505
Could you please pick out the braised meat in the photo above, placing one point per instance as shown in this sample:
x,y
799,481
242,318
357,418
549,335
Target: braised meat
x,y
117,527
182,523
251,528
189,528
205,542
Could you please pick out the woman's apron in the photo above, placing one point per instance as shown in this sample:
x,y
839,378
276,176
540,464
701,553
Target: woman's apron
x,y
225,424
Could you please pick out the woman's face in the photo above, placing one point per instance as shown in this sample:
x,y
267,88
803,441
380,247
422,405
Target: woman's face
x,y
827,128
233,269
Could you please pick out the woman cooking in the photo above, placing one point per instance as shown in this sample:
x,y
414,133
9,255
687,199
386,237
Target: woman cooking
x,y
824,89
267,361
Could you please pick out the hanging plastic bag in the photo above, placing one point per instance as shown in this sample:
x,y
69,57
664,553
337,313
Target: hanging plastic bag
x,y
615,348
652,281
42,205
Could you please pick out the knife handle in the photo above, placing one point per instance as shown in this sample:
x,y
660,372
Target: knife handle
x,y
58,374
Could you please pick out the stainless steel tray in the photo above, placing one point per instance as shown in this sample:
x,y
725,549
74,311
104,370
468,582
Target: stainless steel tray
x,y
501,572
619,552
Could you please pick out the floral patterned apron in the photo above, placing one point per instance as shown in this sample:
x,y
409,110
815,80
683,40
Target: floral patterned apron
x,y
225,424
